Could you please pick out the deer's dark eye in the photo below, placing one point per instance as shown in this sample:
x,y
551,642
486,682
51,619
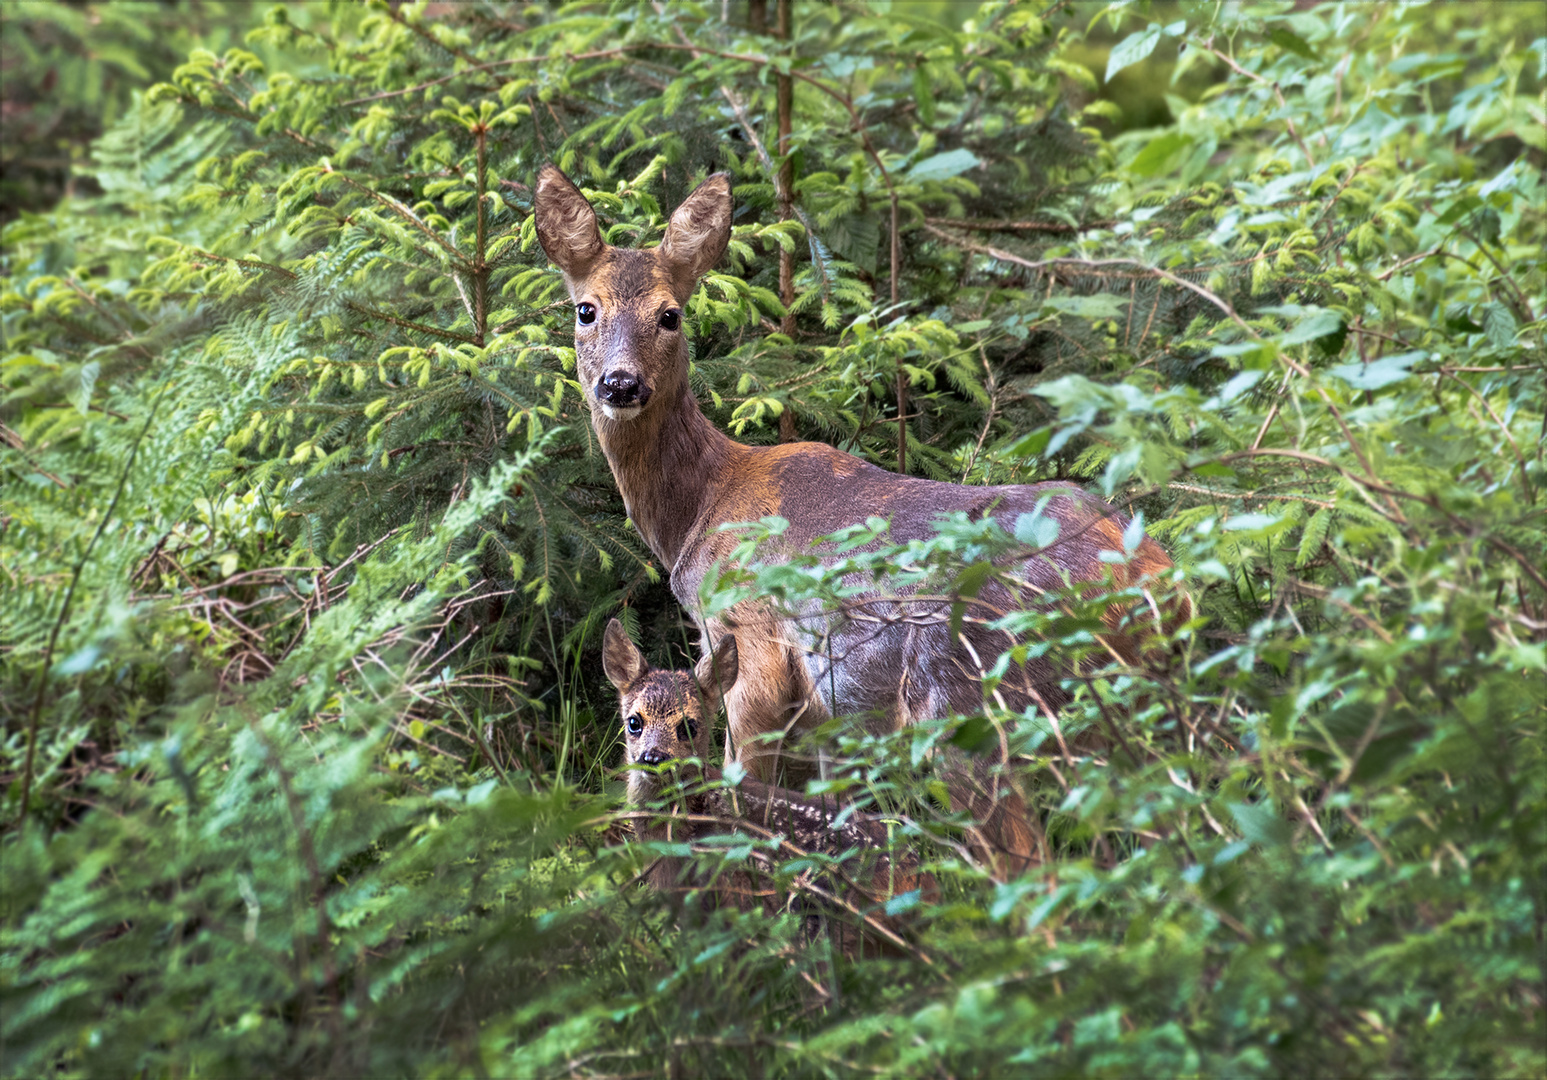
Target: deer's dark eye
x,y
586,313
670,320
682,732
635,724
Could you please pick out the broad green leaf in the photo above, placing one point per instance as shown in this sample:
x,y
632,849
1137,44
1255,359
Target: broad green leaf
x,y
1132,49
1379,374
943,166
1498,326
1290,41
1314,325
1260,823
1161,154
1095,306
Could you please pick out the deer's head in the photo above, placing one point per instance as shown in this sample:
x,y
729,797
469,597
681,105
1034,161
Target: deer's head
x,y
628,304
667,715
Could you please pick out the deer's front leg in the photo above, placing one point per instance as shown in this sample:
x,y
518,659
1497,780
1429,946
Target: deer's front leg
x,y
773,695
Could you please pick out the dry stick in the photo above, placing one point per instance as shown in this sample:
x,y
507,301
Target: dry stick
x,y
1431,253
791,849
17,443
1016,226
993,408
64,610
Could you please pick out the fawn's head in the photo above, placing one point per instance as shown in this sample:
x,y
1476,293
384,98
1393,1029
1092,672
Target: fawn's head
x,y
667,715
629,339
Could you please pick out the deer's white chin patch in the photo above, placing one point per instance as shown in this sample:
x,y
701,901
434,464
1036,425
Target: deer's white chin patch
x,y
614,412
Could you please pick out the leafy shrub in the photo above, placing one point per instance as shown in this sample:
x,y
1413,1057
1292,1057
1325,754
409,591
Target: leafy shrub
x,y
307,547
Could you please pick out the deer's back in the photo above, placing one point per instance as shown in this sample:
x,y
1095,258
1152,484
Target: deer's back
x,y
900,661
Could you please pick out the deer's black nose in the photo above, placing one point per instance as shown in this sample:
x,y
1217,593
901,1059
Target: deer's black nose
x,y
654,755
622,388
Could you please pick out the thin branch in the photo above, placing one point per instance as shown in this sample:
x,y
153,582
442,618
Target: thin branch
x,y
988,225
409,324
1218,301
1525,480
1208,46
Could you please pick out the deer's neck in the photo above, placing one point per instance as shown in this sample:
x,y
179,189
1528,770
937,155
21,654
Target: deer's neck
x,y
669,465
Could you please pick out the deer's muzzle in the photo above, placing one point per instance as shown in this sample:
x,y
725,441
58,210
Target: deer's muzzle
x,y
621,390
655,754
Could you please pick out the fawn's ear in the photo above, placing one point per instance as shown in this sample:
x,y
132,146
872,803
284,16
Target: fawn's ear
x,y
566,225
716,673
622,661
698,233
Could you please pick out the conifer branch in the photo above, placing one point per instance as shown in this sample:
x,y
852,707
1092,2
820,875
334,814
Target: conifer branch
x,y
409,324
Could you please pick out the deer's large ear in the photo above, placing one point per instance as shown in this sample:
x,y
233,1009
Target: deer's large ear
x,y
698,232
622,661
566,225
716,673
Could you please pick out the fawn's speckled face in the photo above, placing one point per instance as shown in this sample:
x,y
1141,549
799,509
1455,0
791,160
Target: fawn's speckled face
x,y
667,715
664,719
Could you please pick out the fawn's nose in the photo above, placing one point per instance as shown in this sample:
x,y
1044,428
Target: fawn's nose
x,y
655,755
621,389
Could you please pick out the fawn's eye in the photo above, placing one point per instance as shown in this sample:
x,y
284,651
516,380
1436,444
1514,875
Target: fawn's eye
x,y
670,320
635,724
682,732
586,313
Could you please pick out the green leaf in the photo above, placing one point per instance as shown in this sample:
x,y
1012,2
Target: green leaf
x,y
1132,49
1133,535
1260,823
1290,41
1161,154
968,584
1036,529
1314,325
1380,374
85,384
1498,326
924,95
1252,522
1095,306
943,166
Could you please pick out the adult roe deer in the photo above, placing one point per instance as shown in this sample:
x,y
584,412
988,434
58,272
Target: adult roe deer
x,y
668,717
681,478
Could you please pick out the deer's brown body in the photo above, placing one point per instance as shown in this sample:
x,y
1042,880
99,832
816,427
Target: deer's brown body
x,y
668,717
681,478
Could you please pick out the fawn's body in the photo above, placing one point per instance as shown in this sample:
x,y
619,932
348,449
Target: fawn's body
x,y
667,718
894,661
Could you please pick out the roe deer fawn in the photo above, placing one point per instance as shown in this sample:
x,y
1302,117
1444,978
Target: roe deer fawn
x,y
668,717
891,659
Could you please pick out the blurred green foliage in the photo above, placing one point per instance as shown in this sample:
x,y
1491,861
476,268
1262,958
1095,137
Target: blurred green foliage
x,y
73,68
305,545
